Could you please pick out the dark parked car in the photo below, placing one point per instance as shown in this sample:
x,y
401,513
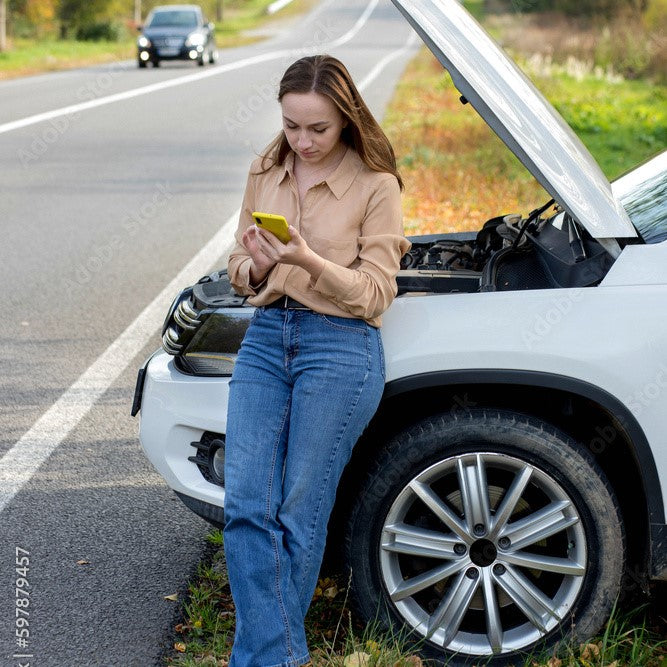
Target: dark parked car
x,y
176,32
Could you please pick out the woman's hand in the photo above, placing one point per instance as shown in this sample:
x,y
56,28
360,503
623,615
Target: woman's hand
x,y
296,251
261,263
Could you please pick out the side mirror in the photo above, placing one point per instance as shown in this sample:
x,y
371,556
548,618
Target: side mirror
x,y
140,28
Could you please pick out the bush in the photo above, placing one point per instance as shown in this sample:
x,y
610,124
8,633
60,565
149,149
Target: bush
x,y
107,31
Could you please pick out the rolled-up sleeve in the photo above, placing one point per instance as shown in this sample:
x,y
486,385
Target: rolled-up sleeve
x,y
368,289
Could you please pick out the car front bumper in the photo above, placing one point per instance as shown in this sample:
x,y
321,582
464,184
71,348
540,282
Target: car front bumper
x,y
153,53
176,409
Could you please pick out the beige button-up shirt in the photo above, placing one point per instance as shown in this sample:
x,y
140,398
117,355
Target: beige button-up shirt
x,y
352,219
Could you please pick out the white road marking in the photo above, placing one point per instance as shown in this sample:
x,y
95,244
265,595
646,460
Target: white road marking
x,y
181,80
21,462
413,40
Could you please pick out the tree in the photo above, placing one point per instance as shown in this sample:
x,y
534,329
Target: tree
x,y
75,15
3,25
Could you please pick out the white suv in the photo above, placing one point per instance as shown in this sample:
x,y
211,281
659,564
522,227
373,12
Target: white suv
x,y
512,484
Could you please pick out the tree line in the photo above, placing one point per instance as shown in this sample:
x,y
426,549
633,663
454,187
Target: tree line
x,y
605,9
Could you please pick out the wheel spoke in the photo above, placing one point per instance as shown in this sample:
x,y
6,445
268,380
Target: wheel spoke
x,y
472,481
452,608
541,524
405,539
494,630
545,563
438,507
425,579
530,599
509,501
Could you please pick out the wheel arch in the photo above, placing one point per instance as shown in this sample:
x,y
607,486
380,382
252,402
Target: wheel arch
x,y
611,434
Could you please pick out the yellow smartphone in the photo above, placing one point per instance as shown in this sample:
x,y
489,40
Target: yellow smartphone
x,y
276,224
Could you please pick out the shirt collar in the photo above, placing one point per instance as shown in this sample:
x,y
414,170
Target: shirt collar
x,y
286,168
343,176
339,181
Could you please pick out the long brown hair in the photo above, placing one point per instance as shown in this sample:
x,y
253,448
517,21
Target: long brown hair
x,y
328,76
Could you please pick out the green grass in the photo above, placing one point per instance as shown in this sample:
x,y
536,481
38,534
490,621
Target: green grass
x,y
30,56
335,638
621,123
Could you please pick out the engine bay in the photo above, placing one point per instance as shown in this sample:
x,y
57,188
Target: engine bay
x,y
508,253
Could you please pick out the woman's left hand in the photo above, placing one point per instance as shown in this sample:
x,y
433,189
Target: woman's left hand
x,y
296,251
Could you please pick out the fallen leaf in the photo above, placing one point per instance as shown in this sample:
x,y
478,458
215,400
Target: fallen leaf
x,y
589,651
173,597
180,647
83,562
178,628
554,662
331,592
357,659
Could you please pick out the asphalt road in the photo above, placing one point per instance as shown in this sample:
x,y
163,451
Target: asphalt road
x,y
100,210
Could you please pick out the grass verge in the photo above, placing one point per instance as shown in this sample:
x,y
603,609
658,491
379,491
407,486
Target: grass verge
x,y
205,635
30,56
34,56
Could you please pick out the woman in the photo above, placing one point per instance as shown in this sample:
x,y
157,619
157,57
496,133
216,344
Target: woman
x,y
310,372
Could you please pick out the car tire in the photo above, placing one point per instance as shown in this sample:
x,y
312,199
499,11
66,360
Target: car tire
x,y
465,588
201,61
141,64
213,56
156,63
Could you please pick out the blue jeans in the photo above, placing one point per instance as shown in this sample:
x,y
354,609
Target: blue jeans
x,y
304,388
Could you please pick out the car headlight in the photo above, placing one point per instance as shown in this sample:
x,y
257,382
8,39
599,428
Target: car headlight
x,y
195,39
214,346
143,42
205,326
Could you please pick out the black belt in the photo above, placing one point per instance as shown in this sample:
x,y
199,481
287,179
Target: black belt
x,y
287,302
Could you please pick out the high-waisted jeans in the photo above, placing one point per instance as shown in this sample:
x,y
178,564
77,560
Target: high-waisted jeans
x,y
304,388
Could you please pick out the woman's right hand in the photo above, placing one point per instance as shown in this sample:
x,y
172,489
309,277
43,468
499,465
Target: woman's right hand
x,y
261,263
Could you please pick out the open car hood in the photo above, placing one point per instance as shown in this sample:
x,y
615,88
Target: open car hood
x,y
518,113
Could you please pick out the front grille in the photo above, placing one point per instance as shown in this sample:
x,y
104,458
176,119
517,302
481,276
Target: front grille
x,y
162,42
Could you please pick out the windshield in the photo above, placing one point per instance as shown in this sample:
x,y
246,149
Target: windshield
x,y
643,194
181,18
